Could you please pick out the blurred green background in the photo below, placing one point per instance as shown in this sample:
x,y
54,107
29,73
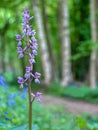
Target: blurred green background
x,y
68,36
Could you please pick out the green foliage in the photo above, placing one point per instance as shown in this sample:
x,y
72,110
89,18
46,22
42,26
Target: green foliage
x,y
81,44
55,89
80,37
92,96
82,92
9,76
14,117
84,49
76,92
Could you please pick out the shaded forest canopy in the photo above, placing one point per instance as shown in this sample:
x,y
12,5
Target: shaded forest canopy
x,y
68,29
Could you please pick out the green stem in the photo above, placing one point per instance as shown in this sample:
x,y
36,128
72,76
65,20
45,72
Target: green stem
x,y
30,105
29,94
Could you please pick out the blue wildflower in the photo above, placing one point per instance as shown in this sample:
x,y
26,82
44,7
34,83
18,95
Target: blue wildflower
x,y
6,119
11,102
23,95
6,113
12,95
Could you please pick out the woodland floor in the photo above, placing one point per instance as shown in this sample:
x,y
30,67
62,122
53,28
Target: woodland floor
x,y
71,105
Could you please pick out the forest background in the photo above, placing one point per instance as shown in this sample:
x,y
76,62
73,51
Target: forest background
x,y
67,37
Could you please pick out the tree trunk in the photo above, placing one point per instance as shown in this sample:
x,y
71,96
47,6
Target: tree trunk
x,y
65,42
3,45
94,52
3,64
49,44
46,64
96,6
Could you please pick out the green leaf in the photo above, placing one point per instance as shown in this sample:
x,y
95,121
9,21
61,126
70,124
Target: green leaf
x,y
25,127
3,126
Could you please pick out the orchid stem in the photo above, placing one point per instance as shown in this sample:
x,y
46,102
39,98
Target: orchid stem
x,y
30,105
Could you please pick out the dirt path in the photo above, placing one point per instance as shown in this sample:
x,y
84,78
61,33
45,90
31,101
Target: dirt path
x,y
71,105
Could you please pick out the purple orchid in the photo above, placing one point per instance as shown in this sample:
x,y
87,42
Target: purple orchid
x,y
30,50
37,75
21,55
19,44
20,80
18,37
38,96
